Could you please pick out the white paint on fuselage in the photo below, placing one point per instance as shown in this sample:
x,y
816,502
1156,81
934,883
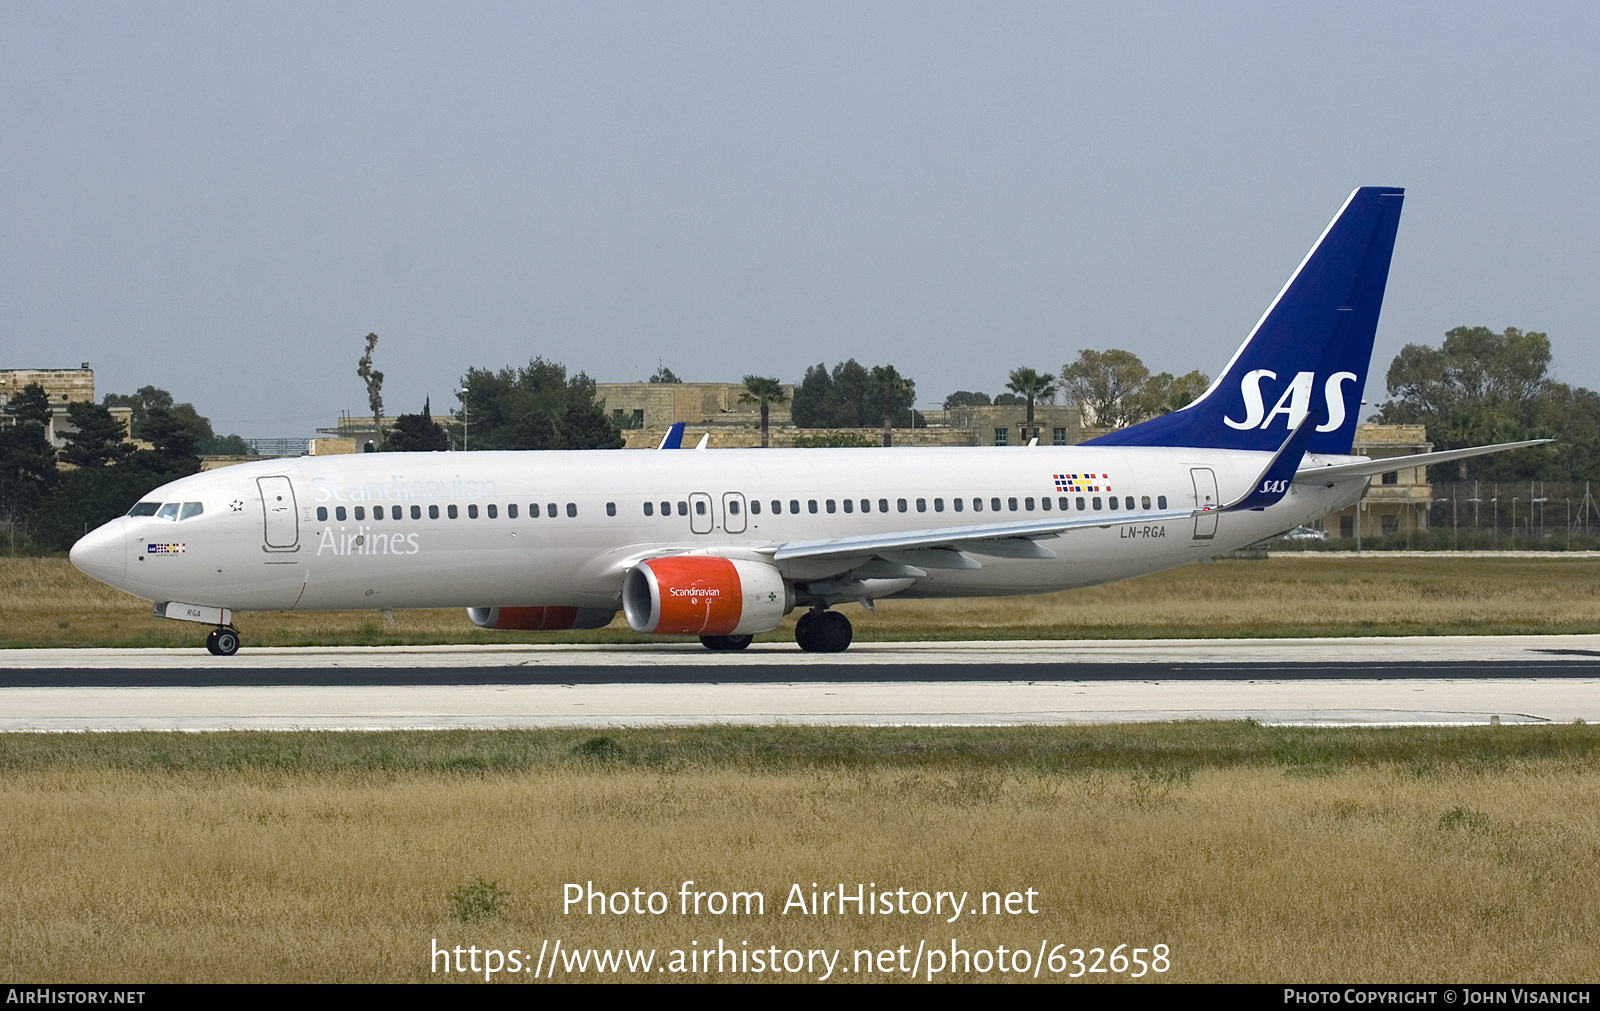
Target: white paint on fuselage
x,y
580,561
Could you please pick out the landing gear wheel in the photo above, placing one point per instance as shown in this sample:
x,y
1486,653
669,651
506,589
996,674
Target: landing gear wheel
x,y
723,643
823,632
223,642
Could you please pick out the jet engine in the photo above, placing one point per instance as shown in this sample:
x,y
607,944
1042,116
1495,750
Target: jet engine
x,y
704,595
540,619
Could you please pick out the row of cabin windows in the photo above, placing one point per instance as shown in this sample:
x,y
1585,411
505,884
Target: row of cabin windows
x,y
552,509
865,505
452,511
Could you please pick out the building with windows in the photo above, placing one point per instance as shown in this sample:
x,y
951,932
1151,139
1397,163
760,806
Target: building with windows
x,y
63,387
1397,501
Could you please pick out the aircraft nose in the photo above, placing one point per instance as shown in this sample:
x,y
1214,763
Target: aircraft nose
x,y
103,553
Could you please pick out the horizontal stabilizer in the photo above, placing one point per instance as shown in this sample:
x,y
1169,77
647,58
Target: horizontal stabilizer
x,y
1370,468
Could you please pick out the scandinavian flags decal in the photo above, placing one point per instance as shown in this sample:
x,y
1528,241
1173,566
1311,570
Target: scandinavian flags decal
x,y
1083,482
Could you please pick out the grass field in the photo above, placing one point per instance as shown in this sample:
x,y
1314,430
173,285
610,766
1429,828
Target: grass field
x,y
45,602
1253,853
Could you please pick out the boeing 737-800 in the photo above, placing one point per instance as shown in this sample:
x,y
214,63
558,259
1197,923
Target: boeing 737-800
x,y
723,543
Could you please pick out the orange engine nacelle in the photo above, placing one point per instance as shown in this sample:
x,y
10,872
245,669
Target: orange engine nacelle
x,y
704,595
540,619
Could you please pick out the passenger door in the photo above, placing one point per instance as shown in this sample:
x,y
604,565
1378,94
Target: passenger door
x,y
733,519
700,519
280,522
1205,497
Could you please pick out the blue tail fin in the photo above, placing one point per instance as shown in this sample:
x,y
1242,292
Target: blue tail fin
x,y
674,437
1314,341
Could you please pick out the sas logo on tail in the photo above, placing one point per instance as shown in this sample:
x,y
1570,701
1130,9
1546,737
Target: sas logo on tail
x,y
1293,404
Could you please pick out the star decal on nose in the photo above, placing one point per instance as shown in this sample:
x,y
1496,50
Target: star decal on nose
x,y
237,505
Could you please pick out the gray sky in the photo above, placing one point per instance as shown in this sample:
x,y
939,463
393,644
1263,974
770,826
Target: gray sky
x,y
223,199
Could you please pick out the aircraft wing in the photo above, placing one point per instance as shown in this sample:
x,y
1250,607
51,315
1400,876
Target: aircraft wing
x,y
1009,540
1368,468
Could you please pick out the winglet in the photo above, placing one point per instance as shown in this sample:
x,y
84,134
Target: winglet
x,y
674,437
704,441
1274,481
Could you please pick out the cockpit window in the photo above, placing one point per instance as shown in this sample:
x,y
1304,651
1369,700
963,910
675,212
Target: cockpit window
x,y
144,509
191,509
169,511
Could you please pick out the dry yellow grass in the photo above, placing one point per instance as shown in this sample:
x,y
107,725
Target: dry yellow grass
x,y
1371,874
44,601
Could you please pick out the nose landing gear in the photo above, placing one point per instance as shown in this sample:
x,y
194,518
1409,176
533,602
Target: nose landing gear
x,y
223,641
823,632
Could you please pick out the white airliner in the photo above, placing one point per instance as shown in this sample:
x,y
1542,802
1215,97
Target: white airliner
x,y
723,543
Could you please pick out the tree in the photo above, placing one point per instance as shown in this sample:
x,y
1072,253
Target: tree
x,y
847,397
1481,387
374,380
174,439
1163,393
536,407
664,375
99,440
1105,386
416,433
763,391
891,394
965,398
27,460
1034,386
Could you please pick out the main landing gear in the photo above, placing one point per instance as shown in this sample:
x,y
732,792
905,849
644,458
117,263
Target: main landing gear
x,y
823,632
223,641
726,642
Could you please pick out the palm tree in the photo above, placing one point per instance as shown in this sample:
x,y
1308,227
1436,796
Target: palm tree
x,y
1030,384
763,391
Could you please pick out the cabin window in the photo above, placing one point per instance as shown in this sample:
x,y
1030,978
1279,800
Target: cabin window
x,y
959,504
1011,504
777,507
938,505
377,512
649,508
811,504
794,507
1161,501
1144,502
572,509
700,508
1027,504
338,512
977,505
849,506
451,511
611,508
994,504
1044,504
755,507
322,513
1097,503
472,512
511,510
866,506
666,508
899,504
830,505
733,507
1127,503
683,509
416,512
493,511
433,512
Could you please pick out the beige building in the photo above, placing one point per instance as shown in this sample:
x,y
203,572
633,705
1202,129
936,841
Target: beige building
x,y
1397,501
658,406
63,387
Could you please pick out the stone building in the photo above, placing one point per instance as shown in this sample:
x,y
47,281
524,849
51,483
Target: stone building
x,y
64,387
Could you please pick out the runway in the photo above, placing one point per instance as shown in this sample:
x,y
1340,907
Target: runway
x,y
1445,680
